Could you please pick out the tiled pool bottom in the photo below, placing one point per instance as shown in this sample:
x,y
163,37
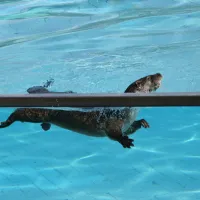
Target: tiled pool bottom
x,y
62,165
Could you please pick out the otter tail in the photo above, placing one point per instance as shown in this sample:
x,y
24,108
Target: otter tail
x,y
8,122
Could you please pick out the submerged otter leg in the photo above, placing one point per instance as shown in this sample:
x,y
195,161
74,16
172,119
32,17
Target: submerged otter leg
x,y
136,125
126,142
46,126
116,134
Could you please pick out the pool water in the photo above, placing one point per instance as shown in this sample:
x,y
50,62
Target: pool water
x,y
101,46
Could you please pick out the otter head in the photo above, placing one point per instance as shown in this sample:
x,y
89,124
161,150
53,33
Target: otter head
x,y
146,84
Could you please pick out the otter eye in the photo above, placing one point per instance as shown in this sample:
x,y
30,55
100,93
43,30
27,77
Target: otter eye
x,y
148,78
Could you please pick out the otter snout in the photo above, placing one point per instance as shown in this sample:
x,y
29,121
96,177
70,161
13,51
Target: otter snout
x,y
157,78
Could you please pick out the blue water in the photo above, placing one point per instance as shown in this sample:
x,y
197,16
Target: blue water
x,y
99,46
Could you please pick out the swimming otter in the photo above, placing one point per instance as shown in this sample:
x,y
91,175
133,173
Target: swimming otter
x,y
116,124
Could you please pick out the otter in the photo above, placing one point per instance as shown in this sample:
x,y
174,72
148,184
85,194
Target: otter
x,y
115,124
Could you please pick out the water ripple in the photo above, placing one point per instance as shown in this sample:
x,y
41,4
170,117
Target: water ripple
x,y
116,18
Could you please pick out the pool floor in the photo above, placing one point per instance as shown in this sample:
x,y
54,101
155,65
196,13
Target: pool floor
x,y
63,165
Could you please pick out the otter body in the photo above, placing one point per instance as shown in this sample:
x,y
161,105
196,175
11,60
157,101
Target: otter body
x,y
93,123
116,124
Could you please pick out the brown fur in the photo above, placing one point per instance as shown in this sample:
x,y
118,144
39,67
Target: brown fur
x,y
107,122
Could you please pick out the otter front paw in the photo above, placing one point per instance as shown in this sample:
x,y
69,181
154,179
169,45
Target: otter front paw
x,y
144,123
126,142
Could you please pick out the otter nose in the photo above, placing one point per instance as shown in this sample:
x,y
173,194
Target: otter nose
x,y
159,75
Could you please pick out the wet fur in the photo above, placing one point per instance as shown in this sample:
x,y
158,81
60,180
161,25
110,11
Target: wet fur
x,y
115,124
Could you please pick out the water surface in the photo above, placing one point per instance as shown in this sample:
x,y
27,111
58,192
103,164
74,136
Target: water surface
x,y
101,46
